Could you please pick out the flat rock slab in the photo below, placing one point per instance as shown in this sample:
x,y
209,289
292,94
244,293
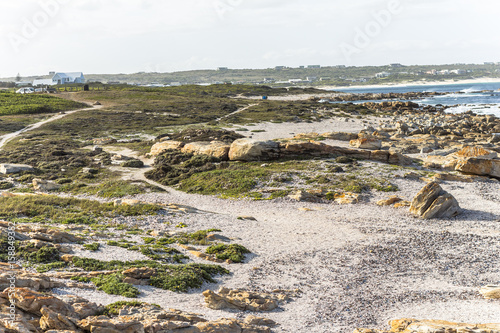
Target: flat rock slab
x,y
14,168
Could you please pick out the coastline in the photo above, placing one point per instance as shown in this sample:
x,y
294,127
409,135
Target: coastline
x,y
416,84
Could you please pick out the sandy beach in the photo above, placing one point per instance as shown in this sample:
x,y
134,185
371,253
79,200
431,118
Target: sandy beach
x,y
416,84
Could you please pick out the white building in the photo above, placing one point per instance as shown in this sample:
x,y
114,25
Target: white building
x,y
61,78
382,75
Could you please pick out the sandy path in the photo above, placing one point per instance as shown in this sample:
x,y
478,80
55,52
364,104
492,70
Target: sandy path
x,y
8,137
237,111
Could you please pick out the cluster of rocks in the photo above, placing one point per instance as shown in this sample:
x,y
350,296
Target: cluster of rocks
x,y
441,124
253,150
42,312
433,202
381,96
37,237
243,300
471,160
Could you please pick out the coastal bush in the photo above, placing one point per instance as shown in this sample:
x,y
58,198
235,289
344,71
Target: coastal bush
x,y
47,267
181,278
67,210
178,278
6,185
113,285
195,238
172,166
13,103
92,247
43,255
233,252
204,134
230,183
133,164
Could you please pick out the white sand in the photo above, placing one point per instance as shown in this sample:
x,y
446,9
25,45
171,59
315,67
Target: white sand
x,y
417,83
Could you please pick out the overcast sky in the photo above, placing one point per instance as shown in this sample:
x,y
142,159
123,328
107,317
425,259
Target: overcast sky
x,y
127,36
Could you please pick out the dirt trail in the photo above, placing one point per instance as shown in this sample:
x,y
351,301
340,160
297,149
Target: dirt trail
x,y
237,111
8,137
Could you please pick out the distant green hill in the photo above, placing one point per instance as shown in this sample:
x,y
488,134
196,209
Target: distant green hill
x,y
334,75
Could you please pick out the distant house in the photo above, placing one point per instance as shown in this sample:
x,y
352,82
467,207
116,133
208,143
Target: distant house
x,y
222,68
396,65
382,75
67,78
314,66
60,78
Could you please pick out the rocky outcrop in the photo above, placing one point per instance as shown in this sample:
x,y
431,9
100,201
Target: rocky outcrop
x,y
389,201
32,302
302,196
160,147
251,150
45,185
14,168
470,159
242,300
490,292
480,167
432,326
366,143
216,149
433,202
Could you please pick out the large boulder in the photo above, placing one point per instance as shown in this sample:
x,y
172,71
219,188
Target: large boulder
x,y
215,148
472,159
251,150
433,202
480,166
490,292
160,147
366,143
45,185
14,168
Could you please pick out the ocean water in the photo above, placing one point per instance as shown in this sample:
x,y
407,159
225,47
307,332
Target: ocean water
x,y
463,97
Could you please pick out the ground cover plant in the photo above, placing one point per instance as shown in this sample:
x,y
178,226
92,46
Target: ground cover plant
x,y
12,103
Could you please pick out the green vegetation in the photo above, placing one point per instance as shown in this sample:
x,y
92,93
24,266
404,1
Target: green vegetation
x,y
110,189
170,277
236,180
31,254
12,103
6,185
181,278
173,166
92,247
47,267
195,238
233,252
113,284
67,210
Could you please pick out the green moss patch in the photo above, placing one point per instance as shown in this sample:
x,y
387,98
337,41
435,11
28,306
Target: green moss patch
x,y
233,252
113,284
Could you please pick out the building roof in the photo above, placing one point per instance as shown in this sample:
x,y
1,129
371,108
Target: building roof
x,y
69,74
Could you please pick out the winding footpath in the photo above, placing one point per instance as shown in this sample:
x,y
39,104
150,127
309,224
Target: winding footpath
x,y
8,137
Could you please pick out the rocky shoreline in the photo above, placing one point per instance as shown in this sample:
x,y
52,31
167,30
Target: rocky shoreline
x,y
302,236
